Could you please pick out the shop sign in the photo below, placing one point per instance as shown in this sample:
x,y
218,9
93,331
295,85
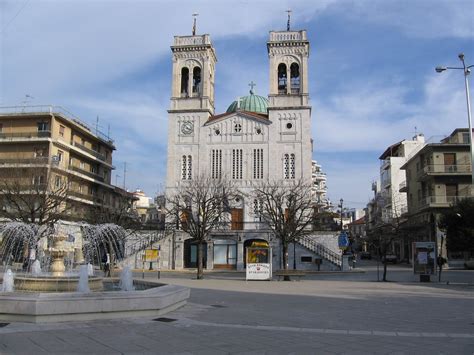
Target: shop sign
x,y
259,264
259,271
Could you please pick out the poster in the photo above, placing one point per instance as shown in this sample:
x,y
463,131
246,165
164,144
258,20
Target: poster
x,y
259,265
424,258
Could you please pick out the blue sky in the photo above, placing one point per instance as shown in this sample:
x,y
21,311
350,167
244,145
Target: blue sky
x,y
372,77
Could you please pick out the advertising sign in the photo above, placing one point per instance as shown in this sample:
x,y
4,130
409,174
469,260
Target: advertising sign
x,y
424,258
259,265
151,255
343,241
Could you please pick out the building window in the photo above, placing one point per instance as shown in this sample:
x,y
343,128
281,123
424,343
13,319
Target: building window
x,y
237,128
57,181
306,259
286,166
258,209
186,167
184,81
38,180
237,164
82,165
282,78
216,163
190,167
60,155
295,78
42,126
196,80
258,163
292,166
61,130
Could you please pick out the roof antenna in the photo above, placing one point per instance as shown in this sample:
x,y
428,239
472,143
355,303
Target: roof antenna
x,y
289,17
194,23
252,84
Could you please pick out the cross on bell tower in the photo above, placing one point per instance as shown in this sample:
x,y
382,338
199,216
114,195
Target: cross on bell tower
x,y
289,17
194,23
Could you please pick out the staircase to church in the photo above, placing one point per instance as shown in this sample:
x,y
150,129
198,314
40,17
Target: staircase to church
x,y
324,251
142,241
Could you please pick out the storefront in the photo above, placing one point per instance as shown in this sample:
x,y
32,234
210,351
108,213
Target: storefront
x,y
190,253
225,254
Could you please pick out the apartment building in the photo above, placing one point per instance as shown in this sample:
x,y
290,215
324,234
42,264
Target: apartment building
x,y
438,176
319,187
47,147
392,177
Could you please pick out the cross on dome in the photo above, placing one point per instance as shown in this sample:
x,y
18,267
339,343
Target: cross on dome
x,y
252,84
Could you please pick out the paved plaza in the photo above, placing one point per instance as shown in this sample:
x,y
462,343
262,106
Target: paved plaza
x,y
335,313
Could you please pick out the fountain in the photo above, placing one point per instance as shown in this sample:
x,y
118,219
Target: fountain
x,y
126,280
7,285
83,285
50,290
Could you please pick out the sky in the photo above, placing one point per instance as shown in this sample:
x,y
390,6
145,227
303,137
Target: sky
x,y
371,72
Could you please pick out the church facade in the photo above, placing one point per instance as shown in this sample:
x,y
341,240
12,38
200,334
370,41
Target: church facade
x,y
258,138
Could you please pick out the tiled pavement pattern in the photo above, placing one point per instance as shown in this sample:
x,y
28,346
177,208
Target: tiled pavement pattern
x,y
325,316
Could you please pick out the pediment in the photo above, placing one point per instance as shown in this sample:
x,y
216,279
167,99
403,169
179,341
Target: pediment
x,y
239,116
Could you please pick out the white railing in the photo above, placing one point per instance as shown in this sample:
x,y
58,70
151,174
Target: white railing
x,y
191,40
321,250
288,36
50,109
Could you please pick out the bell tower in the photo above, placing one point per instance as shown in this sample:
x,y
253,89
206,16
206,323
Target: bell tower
x,y
288,52
194,61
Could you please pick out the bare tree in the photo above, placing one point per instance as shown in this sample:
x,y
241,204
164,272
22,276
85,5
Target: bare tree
x,y
117,210
198,207
386,232
33,195
287,208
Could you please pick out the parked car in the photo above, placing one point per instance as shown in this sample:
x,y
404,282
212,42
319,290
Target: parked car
x,y
390,258
365,255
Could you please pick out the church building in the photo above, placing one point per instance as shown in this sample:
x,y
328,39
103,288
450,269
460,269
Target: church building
x,y
257,139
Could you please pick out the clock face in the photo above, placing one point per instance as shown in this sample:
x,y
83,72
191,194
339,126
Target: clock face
x,y
187,127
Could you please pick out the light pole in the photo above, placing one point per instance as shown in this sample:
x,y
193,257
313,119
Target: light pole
x,y
467,71
341,201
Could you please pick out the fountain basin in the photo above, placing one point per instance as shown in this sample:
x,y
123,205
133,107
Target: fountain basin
x,y
149,299
25,283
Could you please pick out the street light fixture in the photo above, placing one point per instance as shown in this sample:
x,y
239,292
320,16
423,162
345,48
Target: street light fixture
x,y
467,71
341,201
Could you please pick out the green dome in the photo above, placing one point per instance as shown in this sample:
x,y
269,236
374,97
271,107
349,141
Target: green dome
x,y
252,103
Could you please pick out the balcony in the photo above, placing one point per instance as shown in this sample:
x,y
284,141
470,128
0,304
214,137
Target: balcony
x,y
90,151
87,173
24,161
403,187
441,201
83,196
26,135
441,169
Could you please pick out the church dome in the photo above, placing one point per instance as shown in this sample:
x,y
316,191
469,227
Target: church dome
x,y
252,103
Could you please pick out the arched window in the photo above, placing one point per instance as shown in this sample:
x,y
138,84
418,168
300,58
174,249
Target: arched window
x,y
282,78
292,166
183,167
184,81
286,166
190,167
196,80
295,78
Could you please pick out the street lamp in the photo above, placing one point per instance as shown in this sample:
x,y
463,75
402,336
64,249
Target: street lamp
x,y
467,71
341,201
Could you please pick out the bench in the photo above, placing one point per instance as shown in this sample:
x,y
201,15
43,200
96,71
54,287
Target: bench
x,y
290,273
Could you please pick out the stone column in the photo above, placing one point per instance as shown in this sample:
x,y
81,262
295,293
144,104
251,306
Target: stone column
x,y
210,255
240,255
179,253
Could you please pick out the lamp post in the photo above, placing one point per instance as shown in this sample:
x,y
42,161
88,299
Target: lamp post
x,y
467,71
341,201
